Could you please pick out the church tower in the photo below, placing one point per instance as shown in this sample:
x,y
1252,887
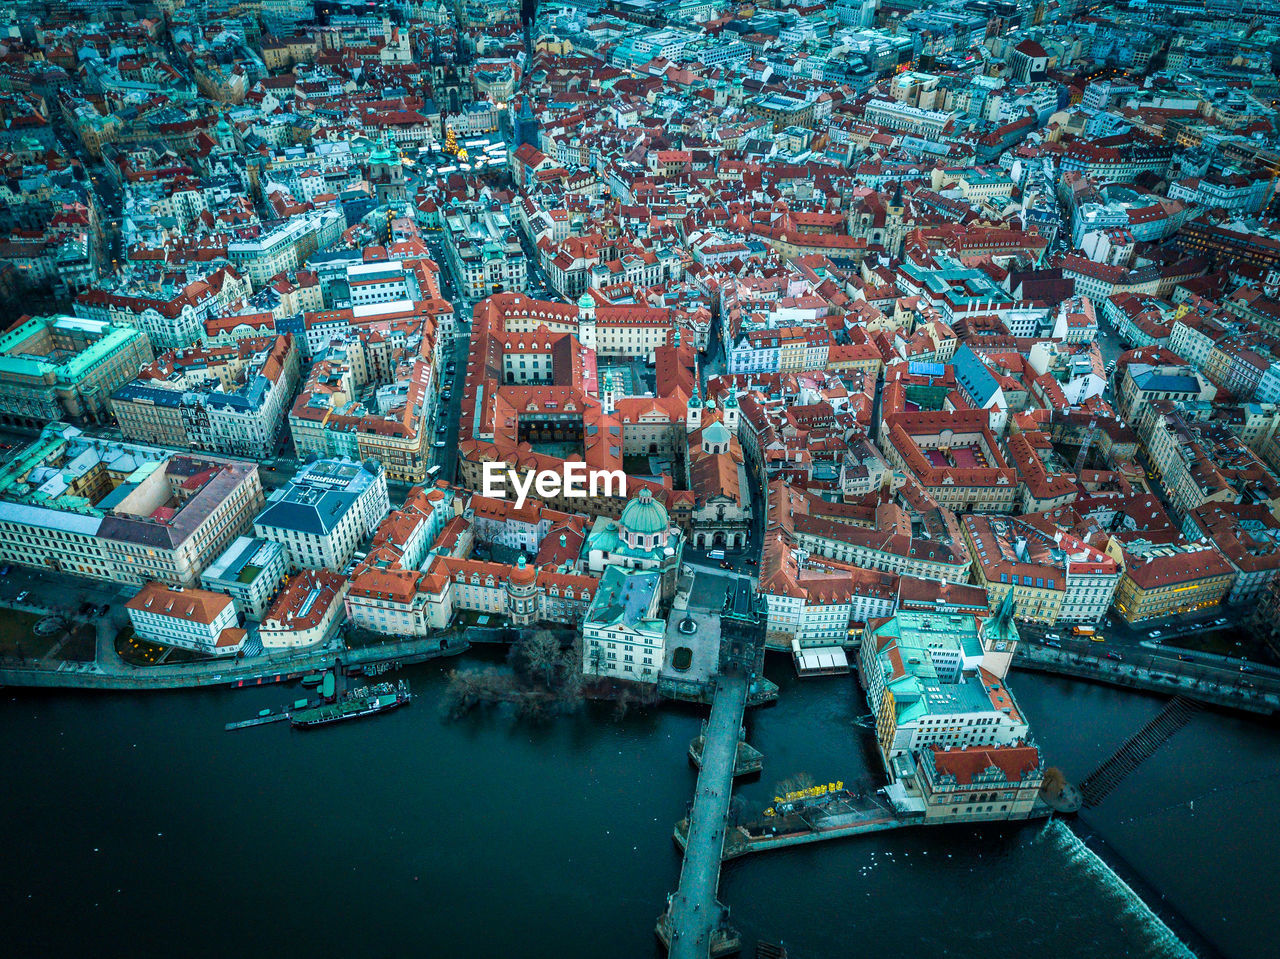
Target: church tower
x,y
386,173
999,637
693,412
730,414
225,134
587,320
895,202
894,228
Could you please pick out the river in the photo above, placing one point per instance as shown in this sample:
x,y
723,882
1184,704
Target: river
x,y
136,826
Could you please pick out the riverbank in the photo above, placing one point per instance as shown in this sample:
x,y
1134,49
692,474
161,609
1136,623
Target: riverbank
x,y
596,801
1217,686
255,671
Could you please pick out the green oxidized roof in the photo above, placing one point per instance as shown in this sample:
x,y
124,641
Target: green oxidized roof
x,y
717,432
586,301
643,514
384,153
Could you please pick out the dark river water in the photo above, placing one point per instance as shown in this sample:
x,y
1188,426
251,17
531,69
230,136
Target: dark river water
x,y
134,825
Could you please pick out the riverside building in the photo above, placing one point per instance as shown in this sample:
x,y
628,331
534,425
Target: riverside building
x,y
121,512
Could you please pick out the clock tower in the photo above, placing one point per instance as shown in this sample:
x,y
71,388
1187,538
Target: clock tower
x,y
999,638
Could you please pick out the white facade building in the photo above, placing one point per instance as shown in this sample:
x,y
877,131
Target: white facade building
x,y
322,516
194,619
622,636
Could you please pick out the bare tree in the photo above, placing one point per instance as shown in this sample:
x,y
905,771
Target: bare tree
x,y
541,655
794,784
572,692
469,688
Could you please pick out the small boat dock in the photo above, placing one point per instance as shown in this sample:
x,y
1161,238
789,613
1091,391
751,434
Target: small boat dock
x,y
257,721
326,685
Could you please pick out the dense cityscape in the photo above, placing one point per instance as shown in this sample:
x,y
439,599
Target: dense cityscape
x,y
680,371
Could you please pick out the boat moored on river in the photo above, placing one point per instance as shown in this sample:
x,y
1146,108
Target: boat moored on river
x,y
364,701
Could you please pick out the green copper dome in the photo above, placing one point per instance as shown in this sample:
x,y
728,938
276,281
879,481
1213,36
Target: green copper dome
x,y
384,153
586,302
644,515
695,400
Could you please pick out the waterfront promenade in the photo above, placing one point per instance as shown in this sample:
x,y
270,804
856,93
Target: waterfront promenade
x,y
695,921
109,671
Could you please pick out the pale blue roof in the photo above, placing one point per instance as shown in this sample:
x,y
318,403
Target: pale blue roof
x,y
973,375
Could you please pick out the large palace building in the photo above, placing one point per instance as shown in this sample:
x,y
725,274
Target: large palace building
x,y
549,383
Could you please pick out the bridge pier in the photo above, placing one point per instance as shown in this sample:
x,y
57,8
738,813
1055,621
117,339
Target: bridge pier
x,y
724,939
749,759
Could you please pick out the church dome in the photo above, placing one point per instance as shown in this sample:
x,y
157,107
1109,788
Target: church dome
x,y
644,515
384,153
586,302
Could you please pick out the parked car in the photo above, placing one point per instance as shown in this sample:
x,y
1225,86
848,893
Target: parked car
x,y
23,595
1156,633
439,444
